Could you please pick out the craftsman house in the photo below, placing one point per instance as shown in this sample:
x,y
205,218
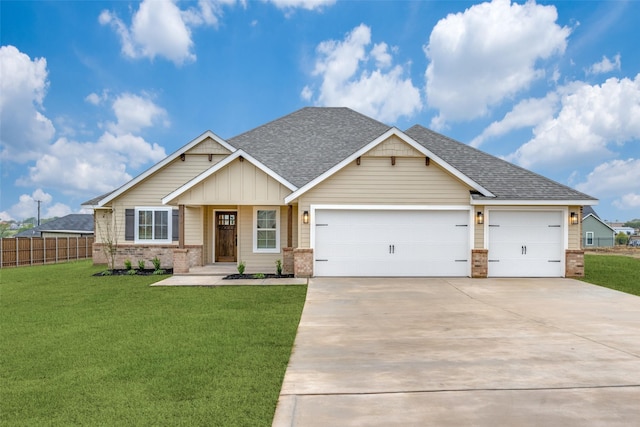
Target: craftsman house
x,y
332,192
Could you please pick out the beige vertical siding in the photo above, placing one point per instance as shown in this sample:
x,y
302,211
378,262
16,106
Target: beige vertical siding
x,y
393,146
478,235
193,226
241,183
575,231
375,181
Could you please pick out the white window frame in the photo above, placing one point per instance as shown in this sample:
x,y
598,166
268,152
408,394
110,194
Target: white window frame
x,y
589,235
153,209
275,250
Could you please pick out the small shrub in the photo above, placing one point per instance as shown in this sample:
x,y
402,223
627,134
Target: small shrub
x,y
141,264
107,272
241,267
127,264
258,276
156,263
158,272
279,267
131,272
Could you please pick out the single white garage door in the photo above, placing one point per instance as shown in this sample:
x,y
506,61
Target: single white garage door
x,y
526,244
391,243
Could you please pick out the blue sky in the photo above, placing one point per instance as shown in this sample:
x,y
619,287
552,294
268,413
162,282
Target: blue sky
x,y
93,93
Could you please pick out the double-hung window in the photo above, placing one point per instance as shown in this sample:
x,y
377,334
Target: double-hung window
x,y
266,229
153,225
589,238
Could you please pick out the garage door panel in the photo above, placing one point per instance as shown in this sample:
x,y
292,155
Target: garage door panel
x,y
391,243
526,244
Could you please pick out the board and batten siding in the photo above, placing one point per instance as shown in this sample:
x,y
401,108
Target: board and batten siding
x,y
377,182
240,183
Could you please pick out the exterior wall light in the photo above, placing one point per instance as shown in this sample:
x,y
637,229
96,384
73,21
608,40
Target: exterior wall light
x,y
305,217
479,218
573,218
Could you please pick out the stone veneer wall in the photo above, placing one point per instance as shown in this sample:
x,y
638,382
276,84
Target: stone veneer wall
x,y
574,265
303,262
134,253
479,263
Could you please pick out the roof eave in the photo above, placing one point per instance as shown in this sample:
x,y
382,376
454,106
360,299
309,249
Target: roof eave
x,y
406,138
218,166
163,163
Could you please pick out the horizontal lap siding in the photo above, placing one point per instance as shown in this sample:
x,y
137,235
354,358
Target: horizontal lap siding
x,y
258,262
193,226
377,182
151,191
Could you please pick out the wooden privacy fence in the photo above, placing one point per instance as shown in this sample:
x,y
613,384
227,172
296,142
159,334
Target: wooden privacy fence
x,y
21,251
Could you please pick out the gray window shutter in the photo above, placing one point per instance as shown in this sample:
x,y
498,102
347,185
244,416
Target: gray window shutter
x,y
175,225
129,224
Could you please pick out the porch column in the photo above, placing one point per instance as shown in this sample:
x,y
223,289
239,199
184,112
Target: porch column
x,y
181,226
289,226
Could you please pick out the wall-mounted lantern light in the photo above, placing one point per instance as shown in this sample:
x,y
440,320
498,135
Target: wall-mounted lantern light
x,y
573,218
305,217
479,218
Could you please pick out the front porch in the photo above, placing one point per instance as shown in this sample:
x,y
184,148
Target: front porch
x,y
214,275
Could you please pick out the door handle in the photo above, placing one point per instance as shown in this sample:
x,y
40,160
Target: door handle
x,y
523,250
392,249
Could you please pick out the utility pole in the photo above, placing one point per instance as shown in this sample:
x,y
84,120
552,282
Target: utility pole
x,y
39,201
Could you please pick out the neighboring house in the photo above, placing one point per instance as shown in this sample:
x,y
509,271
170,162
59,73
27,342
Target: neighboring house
x,y
332,192
629,231
72,225
595,232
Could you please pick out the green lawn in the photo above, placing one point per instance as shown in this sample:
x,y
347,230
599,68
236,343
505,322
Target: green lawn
x,y
617,272
83,350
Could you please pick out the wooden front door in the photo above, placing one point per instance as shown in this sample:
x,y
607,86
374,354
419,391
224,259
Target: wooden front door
x,y
226,236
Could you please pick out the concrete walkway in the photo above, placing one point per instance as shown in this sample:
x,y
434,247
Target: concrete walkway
x,y
456,352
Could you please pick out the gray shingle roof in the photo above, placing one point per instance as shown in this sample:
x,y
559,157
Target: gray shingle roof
x,y
303,145
505,180
80,223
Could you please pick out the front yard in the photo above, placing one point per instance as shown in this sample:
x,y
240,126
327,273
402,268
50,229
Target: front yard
x,y
83,350
617,272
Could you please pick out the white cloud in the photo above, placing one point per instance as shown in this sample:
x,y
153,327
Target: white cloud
x,y
348,80
25,129
628,201
161,28
134,113
590,120
618,179
301,4
486,54
528,112
605,66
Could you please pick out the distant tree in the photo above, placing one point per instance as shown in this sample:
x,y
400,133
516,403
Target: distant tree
x,y
622,238
634,223
5,229
25,226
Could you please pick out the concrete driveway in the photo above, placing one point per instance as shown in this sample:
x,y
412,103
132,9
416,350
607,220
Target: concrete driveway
x,y
451,352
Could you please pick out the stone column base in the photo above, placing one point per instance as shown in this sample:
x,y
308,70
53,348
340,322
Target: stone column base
x,y
287,260
479,263
574,265
180,261
303,262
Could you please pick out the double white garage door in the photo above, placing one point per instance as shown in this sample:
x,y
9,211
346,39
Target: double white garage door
x,y
432,243
391,243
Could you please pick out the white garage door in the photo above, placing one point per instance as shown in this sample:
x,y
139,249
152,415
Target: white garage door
x,y
391,243
526,244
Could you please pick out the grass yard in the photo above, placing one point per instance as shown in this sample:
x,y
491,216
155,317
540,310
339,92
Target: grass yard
x,y
83,350
617,272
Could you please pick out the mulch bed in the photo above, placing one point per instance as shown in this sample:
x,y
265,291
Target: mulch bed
x,y
125,272
258,276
